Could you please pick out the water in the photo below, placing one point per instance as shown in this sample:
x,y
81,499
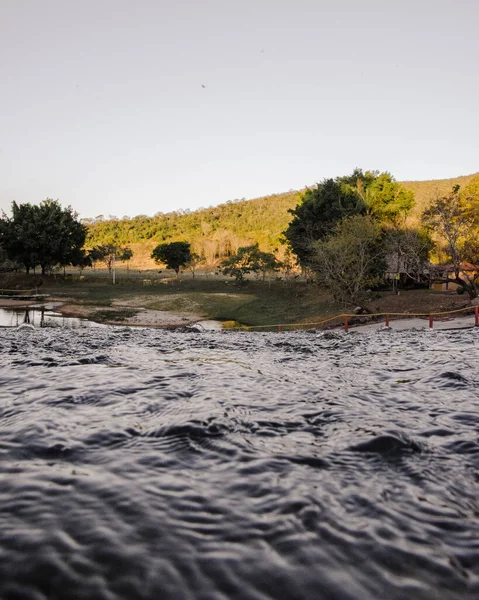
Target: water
x,y
146,464
41,317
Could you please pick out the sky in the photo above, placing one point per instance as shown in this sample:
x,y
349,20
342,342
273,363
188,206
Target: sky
x,y
134,107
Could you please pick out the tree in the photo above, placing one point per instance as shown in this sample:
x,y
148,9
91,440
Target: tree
x,y
249,259
321,209
193,263
386,199
174,255
44,234
17,235
351,259
455,219
408,251
109,253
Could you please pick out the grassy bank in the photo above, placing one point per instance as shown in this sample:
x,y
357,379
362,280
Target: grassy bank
x,y
253,303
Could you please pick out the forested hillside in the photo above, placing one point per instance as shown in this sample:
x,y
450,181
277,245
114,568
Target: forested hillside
x,y
218,231
425,191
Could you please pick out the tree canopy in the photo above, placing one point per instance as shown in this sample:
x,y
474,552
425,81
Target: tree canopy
x,y
174,255
333,200
318,212
249,259
44,234
455,219
351,259
108,253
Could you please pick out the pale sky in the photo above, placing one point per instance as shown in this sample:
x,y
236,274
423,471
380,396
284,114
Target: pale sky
x,y
127,107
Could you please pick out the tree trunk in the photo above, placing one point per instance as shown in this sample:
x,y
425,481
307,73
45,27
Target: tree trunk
x,y
469,287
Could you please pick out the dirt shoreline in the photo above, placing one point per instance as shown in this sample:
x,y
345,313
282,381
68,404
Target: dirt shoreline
x,y
143,317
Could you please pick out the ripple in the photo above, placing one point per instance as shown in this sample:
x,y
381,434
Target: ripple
x,y
153,464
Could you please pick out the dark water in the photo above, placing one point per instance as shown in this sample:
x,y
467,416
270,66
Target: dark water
x,y
160,465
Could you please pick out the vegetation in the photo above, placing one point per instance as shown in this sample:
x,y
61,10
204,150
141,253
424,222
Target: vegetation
x,y
350,231
455,217
351,259
408,251
109,254
333,200
250,259
215,233
44,235
174,255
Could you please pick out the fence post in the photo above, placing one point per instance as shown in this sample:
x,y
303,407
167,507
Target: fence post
x,y
346,324
279,328
476,316
387,320
430,321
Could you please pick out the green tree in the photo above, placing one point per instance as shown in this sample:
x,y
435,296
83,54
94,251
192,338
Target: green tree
x,y
386,199
249,259
44,234
321,209
174,255
109,253
351,259
317,214
454,218
17,235
193,263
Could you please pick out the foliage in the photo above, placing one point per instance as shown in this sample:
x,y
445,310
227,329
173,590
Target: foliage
x,y
194,261
455,217
214,233
44,234
109,253
333,200
351,259
386,199
174,255
217,232
408,250
319,211
249,259
425,191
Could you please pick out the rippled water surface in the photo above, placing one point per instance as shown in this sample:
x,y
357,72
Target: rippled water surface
x,y
164,465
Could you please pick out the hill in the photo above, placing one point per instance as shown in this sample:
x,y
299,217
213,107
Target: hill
x,y
425,191
218,231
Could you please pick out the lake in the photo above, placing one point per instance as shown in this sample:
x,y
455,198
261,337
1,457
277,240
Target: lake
x,y
148,464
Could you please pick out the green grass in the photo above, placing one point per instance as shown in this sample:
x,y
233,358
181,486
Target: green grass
x,y
252,303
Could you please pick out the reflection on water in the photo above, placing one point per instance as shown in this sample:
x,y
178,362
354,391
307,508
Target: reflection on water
x,y
141,464
41,317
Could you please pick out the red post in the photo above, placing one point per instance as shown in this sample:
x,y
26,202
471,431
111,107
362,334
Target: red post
x,y
279,328
387,320
476,316
430,321
346,324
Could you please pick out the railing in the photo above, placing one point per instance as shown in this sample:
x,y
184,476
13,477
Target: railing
x,y
345,317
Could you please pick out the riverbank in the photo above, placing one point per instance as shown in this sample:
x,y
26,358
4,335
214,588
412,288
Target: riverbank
x,y
169,302
119,314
